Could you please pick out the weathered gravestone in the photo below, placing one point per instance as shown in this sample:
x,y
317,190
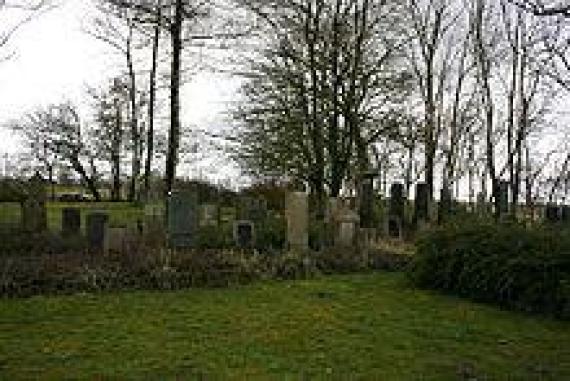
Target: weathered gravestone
x,y
348,225
482,206
396,211
503,198
421,204
552,213
70,222
244,234
228,215
566,214
367,200
115,240
34,212
445,203
182,219
209,215
96,228
297,216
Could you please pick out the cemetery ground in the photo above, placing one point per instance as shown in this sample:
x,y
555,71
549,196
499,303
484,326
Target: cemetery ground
x,y
367,326
119,212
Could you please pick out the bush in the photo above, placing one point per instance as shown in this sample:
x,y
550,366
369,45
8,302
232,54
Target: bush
x,y
508,264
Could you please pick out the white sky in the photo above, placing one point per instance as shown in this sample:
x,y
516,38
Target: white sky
x,y
55,60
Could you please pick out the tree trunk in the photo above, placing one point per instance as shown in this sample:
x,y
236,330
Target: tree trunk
x,y
152,103
174,133
134,120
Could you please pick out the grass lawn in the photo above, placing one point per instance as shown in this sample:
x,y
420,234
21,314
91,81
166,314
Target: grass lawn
x,y
371,326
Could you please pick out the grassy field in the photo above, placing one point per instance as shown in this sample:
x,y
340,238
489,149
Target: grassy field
x,y
119,213
364,326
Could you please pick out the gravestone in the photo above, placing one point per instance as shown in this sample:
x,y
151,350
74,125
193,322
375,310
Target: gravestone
x,y
503,198
367,200
209,215
445,203
70,222
347,228
297,216
228,215
96,228
552,213
566,214
182,219
115,240
244,234
34,212
395,220
421,204
482,206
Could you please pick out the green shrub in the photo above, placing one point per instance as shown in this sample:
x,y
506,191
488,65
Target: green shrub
x,y
508,264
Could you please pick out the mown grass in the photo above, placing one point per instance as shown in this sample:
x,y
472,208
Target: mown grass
x,y
363,326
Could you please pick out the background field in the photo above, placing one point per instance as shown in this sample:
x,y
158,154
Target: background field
x,y
373,326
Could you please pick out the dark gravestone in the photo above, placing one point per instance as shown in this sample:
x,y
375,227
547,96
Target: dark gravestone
x,y
503,198
34,211
553,214
397,200
244,234
367,201
421,204
566,214
394,228
396,211
445,204
70,222
96,226
182,219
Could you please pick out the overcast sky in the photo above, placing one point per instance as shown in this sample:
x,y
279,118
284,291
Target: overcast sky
x,y
55,60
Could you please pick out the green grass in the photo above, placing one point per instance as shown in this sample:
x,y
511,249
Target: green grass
x,y
369,326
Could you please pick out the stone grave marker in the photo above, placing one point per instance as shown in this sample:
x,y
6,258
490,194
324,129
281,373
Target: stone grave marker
x,y
367,200
70,222
421,205
244,234
34,212
115,240
297,217
348,227
552,213
445,203
503,195
395,220
209,215
566,214
182,219
96,228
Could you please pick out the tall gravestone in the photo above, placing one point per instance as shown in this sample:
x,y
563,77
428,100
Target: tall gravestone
x,y
70,222
244,234
209,215
182,218
96,229
297,216
566,214
34,211
445,203
396,211
503,198
552,213
367,201
421,204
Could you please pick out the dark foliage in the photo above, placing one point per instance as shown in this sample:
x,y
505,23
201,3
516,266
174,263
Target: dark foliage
x,y
508,264
64,273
